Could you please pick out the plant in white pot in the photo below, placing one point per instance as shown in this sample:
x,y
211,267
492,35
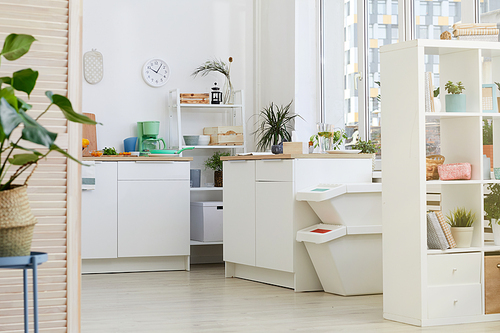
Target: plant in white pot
x,y
492,210
461,221
18,131
455,101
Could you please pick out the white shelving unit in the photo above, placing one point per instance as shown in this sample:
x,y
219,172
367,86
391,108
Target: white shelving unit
x,y
191,119
233,114
432,287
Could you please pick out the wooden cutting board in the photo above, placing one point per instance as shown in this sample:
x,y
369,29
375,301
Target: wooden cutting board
x,y
89,133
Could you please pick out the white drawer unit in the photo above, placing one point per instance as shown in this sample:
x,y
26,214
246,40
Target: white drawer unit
x,y
153,170
447,269
274,170
454,301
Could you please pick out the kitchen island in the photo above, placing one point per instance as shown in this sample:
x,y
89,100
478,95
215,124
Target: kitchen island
x,y
137,217
262,217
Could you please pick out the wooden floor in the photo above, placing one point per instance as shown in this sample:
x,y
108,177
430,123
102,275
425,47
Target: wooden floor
x,y
203,300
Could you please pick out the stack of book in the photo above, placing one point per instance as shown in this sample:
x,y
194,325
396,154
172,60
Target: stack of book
x,y
438,232
484,32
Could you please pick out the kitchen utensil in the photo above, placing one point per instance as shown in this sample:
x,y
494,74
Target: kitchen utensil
x,y
129,144
89,133
191,140
203,140
165,151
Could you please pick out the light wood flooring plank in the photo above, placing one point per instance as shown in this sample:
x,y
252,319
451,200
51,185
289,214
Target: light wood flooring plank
x,y
203,300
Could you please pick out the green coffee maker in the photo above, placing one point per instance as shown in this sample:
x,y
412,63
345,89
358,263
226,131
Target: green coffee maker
x,y
147,136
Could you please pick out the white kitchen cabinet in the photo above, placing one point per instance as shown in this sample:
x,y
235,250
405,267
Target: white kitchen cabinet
x,y
262,217
274,232
153,218
433,287
239,208
137,218
99,214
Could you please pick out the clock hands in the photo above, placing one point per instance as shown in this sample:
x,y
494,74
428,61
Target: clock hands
x,y
158,69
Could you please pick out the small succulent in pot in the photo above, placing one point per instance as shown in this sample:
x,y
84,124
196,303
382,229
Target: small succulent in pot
x,y
455,101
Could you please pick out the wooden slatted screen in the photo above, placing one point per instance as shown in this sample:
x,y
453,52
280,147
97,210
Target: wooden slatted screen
x,y
48,21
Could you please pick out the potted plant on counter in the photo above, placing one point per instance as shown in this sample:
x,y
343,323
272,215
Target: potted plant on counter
x,y
367,147
18,132
492,210
461,221
276,125
455,100
214,162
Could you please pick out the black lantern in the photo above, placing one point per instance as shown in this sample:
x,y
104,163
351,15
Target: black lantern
x,y
216,94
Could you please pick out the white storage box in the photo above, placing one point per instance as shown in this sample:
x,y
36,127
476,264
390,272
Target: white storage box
x,y
206,221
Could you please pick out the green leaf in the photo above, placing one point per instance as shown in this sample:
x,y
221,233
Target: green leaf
x,y
9,118
59,150
15,46
24,80
10,96
22,159
23,105
5,79
67,109
12,144
36,133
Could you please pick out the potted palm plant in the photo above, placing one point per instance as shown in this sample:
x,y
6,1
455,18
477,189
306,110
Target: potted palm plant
x,y
455,101
276,125
461,221
214,162
492,210
16,220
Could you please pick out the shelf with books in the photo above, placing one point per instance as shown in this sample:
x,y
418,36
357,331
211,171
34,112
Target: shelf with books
x,y
460,141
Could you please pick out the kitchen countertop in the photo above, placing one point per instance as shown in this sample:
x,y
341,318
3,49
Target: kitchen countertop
x,y
293,156
138,158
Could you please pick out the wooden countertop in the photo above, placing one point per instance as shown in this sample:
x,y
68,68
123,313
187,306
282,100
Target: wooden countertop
x,y
292,156
138,158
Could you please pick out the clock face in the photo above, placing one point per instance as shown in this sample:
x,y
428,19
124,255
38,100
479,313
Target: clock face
x,y
155,72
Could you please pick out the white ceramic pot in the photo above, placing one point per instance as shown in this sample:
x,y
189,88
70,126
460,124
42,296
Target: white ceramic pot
x,y
462,236
496,231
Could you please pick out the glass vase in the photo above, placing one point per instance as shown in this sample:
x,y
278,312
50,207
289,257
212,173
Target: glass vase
x,y
228,92
325,137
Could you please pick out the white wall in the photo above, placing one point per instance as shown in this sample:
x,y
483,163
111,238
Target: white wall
x,y
287,57
184,33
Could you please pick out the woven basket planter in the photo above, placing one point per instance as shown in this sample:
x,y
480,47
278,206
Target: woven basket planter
x,y
16,222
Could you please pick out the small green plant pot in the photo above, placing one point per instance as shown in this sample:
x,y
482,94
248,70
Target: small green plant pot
x,y
455,103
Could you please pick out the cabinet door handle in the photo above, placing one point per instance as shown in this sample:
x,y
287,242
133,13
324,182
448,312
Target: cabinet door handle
x,y
156,162
498,265
273,160
237,161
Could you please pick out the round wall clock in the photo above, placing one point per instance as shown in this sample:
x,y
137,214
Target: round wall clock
x,y
155,72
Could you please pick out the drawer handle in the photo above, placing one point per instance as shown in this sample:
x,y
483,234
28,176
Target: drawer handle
x,y
455,301
498,265
454,270
155,162
272,160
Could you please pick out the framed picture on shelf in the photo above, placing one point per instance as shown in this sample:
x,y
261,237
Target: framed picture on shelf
x,y
489,101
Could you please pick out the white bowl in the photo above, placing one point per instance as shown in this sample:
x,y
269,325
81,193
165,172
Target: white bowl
x,y
204,140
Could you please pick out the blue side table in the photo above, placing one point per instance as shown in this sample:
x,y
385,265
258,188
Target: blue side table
x,y
25,263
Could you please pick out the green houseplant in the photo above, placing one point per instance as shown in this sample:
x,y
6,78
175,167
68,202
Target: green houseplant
x,y
492,209
276,124
214,162
455,100
367,147
461,221
16,219
219,66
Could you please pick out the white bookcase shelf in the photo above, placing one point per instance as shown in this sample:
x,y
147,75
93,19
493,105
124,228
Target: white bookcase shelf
x,y
433,287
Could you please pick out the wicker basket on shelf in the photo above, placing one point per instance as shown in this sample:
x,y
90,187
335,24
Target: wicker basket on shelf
x,y
432,163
